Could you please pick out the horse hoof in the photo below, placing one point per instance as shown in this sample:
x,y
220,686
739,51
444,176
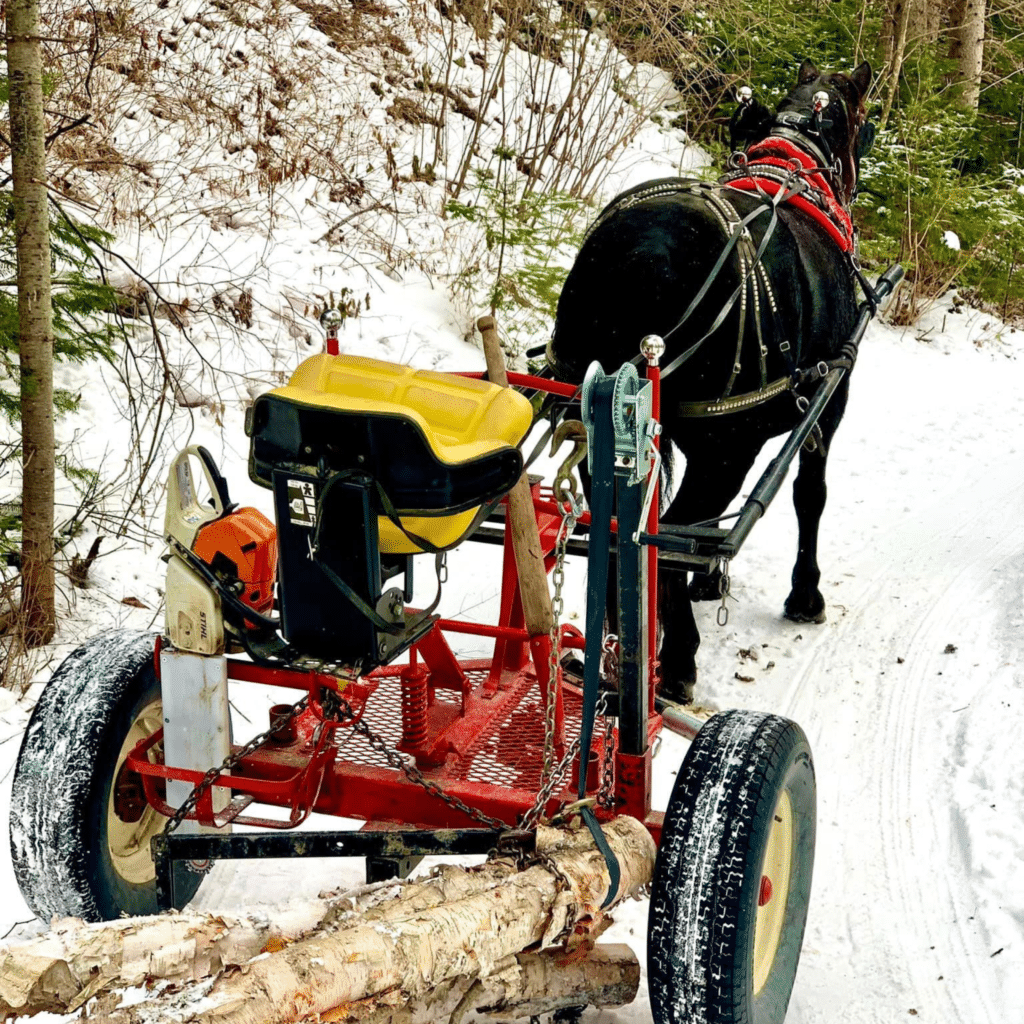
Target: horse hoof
x,y
797,615
677,691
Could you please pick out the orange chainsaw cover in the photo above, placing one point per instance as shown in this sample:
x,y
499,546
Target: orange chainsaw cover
x,y
248,539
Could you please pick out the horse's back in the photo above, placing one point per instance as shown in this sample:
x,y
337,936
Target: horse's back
x,y
655,249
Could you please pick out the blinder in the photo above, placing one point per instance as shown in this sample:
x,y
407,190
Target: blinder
x,y
865,140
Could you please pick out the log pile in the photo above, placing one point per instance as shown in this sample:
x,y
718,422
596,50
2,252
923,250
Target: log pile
x,y
499,938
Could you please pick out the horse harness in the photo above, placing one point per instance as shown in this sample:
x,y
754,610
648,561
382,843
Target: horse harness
x,y
785,167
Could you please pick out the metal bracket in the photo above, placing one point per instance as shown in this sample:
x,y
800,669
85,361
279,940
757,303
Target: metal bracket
x,y
632,417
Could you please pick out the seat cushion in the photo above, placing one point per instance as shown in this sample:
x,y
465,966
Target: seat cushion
x,y
439,445
462,418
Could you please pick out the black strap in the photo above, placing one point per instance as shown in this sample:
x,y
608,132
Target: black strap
x,y
602,491
770,204
392,628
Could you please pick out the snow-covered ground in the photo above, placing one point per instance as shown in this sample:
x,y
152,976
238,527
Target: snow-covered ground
x,y
911,692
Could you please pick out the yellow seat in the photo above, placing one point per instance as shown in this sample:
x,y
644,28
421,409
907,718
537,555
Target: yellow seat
x,y
463,420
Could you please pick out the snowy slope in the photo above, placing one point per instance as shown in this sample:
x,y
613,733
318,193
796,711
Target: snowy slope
x,y
918,902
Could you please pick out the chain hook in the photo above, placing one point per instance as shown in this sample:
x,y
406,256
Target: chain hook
x,y
565,484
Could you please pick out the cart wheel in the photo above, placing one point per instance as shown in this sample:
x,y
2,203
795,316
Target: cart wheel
x,y
733,875
76,851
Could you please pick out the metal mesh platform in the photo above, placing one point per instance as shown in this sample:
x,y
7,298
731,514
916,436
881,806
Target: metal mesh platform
x,y
509,750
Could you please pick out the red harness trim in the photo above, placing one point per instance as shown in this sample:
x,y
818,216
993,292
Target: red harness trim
x,y
778,152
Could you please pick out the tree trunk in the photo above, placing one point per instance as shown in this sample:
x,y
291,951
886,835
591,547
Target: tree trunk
x,y
532,985
75,961
380,957
35,325
894,34
967,48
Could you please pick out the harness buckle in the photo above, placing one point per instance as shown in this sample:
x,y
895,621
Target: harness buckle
x,y
822,369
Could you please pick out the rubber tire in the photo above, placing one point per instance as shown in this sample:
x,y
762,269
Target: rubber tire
x,y
707,877
63,779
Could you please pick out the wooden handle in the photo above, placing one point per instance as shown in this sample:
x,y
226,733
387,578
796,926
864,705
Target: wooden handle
x,y
533,580
496,372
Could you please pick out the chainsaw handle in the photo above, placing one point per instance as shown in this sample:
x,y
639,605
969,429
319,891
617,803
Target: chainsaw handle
x,y
185,516
218,485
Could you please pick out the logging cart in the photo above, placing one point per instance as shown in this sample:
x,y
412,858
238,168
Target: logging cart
x,y
129,784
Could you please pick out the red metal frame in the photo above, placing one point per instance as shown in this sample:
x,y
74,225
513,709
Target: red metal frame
x,y
473,727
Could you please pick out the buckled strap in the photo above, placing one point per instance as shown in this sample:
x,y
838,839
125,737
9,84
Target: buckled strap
x,y
737,403
771,205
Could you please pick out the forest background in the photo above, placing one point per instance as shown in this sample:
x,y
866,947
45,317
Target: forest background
x,y
502,171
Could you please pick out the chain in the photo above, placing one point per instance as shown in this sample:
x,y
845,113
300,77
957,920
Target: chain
x,y
724,586
605,797
550,784
569,518
610,660
413,774
336,708
551,776
231,761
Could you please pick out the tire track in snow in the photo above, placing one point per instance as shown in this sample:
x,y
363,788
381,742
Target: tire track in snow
x,y
899,888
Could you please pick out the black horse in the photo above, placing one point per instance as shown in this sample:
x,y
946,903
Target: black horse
x,y
751,282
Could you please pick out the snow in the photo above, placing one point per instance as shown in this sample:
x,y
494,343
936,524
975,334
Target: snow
x,y
910,693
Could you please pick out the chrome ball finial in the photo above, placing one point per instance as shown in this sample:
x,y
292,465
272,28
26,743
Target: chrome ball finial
x,y
745,94
330,321
652,348
821,100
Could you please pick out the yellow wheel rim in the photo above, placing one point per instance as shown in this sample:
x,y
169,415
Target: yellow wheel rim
x,y
128,842
773,891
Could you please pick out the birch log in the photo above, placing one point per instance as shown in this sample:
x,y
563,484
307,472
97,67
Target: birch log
x,y
532,984
469,937
75,961
529,984
395,959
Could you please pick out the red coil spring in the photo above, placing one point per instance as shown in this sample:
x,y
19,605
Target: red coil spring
x,y
414,706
